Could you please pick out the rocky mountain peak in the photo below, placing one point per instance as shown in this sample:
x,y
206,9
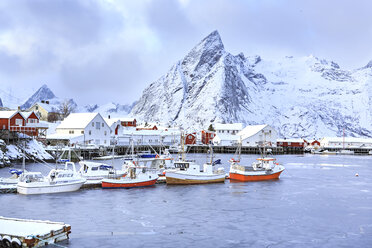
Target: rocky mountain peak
x,y
42,94
205,54
369,65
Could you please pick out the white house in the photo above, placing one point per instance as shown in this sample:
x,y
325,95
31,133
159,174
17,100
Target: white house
x,y
347,142
258,134
232,128
115,126
83,128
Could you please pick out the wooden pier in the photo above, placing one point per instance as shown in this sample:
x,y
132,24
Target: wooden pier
x,y
19,233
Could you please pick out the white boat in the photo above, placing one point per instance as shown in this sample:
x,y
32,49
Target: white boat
x,y
188,172
345,152
57,181
136,177
98,171
13,179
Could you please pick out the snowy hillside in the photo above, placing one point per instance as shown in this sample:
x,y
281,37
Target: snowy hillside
x,y
112,109
301,97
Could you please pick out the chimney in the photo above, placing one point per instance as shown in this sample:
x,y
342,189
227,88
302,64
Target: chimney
x,y
47,102
109,116
42,101
19,108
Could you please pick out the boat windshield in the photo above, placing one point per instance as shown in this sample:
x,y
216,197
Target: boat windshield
x,y
29,178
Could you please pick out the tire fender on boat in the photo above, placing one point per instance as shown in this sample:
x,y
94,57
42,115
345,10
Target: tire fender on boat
x,y
16,243
6,242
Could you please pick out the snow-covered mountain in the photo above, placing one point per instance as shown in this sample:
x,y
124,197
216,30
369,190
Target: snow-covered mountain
x,y
112,109
300,97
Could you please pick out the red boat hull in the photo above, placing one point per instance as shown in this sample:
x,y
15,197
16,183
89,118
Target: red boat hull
x,y
245,178
128,185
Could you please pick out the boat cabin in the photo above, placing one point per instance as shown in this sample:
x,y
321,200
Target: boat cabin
x,y
181,165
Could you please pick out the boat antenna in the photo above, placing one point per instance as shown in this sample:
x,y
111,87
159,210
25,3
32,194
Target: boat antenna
x,y
182,146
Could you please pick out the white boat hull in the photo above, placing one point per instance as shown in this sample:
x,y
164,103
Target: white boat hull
x,y
47,188
184,178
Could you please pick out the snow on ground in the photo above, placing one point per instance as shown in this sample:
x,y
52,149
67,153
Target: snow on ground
x,y
34,149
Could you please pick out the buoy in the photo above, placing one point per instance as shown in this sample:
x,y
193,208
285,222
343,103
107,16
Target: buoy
x,y
16,243
356,174
7,242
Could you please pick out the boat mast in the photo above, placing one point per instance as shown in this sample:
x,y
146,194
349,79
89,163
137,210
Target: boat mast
x,y
182,146
211,151
239,148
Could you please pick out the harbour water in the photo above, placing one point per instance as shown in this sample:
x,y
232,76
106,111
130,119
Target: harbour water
x,y
318,202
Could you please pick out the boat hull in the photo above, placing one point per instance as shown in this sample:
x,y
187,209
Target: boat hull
x,y
112,184
48,189
254,177
175,179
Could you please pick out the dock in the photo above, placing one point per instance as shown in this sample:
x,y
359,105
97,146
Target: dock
x,y
8,188
31,233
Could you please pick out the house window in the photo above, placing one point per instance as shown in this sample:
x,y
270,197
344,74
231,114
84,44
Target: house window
x,y
104,141
90,132
37,107
82,132
105,133
71,132
18,122
3,126
98,126
92,124
102,124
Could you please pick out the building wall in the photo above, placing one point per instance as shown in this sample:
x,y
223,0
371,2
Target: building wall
x,y
267,135
38,109
190,139
98,136
4,123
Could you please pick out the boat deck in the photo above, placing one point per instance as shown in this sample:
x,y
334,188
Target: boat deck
x,y
32,233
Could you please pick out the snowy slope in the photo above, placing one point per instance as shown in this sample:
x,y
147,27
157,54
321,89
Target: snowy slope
x,y
300,97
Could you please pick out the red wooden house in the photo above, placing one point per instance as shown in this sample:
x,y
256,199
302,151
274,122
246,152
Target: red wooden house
x,y
291,143
147,127
190,139
128,122
32,120
207,136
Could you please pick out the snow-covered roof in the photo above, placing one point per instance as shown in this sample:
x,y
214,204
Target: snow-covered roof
x,y
7,114
229,126
150,132
27,114
127,119
77,120
290,140
47,107
111,121
249,131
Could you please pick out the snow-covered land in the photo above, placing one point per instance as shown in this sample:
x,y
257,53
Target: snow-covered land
x,y
300,97
34,150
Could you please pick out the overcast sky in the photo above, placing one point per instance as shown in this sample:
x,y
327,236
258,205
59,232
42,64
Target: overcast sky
x,y
102,51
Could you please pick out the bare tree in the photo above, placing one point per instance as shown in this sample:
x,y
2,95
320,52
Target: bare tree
x,y
66,107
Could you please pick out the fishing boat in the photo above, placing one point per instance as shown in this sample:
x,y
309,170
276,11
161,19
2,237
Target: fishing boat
x,y
57,181
136,177
98,171
188,172
264,168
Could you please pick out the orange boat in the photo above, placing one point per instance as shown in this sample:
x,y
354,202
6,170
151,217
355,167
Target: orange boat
x,y
265,168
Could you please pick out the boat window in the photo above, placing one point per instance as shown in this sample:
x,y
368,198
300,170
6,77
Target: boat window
x,y
105,167
94,168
